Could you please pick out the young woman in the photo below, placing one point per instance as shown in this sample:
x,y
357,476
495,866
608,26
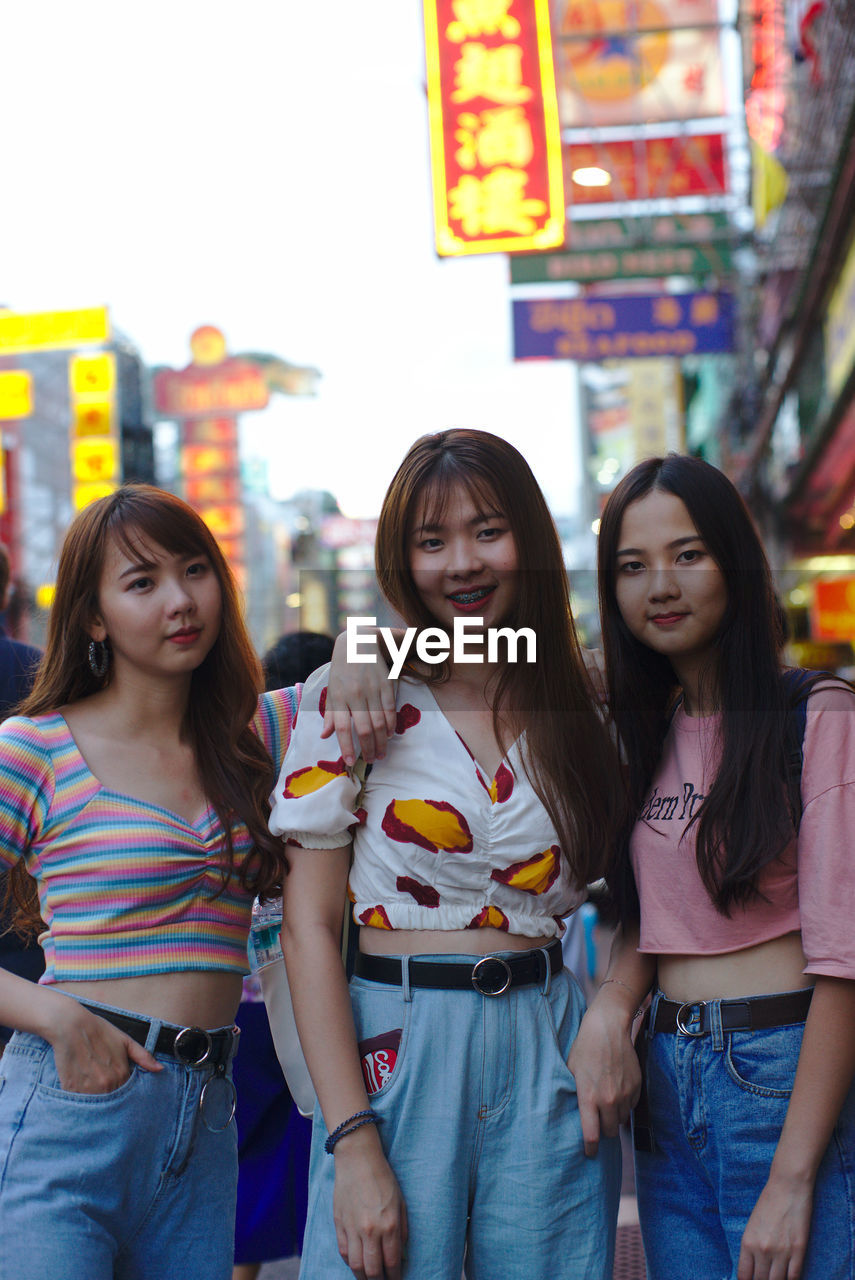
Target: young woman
x,y
134,791
447,1110
746,1137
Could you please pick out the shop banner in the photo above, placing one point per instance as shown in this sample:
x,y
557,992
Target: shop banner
x,y
651,169
606,17
668,324
495,137
632,79
833,612
622,264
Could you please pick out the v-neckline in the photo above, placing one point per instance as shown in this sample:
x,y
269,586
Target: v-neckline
x,y
194,823
471,754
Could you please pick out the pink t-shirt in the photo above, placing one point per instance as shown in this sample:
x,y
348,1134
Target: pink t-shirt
x,y
810,888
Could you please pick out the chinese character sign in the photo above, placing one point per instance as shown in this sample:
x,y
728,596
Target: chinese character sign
x,y
668,324
494,132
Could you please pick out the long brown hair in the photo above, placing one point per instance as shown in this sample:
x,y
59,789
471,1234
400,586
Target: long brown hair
x,y
570,759
235,769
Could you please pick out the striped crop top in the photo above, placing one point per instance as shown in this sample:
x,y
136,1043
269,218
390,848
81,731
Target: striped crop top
x,y
126,888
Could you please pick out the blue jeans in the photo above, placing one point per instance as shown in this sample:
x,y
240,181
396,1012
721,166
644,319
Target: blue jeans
x,y
717,1105
128,1185
481,1127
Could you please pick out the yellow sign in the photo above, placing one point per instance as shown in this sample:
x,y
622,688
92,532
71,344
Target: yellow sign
x,y
51,330
839,327
84,494
92,418
94,461
16,394
92,375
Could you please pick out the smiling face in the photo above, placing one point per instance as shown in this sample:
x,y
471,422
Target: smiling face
x,y
464,559
671,593
160,611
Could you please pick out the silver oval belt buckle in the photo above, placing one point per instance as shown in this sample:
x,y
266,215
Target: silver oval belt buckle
x,y
491,976
699,1030
209,1105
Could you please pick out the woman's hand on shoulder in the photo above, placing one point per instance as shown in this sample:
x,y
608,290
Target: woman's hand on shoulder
x,y
607,1071
360,701
368,1209
93,1056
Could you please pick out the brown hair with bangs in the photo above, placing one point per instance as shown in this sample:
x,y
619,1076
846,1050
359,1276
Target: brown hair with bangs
x,y
235,769
569,757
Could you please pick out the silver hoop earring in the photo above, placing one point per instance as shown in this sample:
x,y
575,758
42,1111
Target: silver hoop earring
x,y
99,658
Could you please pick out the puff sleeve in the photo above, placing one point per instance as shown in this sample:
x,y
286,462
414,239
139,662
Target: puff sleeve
x,y
825,850
313,802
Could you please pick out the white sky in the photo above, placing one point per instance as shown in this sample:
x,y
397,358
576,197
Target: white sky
x,y
264,167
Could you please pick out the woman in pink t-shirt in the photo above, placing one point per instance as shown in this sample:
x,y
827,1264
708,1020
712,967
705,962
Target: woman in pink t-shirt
x,y
742,923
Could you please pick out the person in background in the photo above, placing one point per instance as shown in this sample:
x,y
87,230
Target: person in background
x,y
18,663
273,1138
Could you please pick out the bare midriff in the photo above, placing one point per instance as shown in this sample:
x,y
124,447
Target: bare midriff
x,y
413,942
190,999
776,965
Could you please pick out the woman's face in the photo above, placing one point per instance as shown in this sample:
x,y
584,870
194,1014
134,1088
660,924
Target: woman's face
x,y
670,592
160,611
466,565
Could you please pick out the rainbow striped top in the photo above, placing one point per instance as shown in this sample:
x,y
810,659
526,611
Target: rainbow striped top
x,y
126,888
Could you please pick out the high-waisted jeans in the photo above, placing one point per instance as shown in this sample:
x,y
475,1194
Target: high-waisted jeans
x,y
480,1123
716,1107
128,1185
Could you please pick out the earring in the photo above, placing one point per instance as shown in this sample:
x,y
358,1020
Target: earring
x,y
99,657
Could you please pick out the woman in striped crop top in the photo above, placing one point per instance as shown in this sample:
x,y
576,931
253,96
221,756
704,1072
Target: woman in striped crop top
x,y
448,1122
134,789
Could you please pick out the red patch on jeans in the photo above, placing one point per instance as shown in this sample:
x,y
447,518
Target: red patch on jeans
x,y
378,1057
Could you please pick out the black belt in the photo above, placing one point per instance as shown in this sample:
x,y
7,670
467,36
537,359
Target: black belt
x,y
490,976
756,1013
191,1046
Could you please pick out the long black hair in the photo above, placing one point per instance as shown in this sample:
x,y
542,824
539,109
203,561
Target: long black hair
x,y
745,822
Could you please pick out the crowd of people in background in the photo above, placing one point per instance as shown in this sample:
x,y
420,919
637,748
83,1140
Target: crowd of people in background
x,y
433,845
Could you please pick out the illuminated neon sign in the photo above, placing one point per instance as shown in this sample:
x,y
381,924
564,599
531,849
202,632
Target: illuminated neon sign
x,y
494,130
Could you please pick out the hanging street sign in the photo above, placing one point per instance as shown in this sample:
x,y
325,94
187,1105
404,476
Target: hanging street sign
x,y
495,138
664,324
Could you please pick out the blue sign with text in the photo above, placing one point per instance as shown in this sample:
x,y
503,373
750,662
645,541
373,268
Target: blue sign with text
x,y
639,325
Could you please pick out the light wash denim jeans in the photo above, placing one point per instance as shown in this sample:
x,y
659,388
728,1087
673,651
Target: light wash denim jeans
x,y
717,1105
129,1185
481,1126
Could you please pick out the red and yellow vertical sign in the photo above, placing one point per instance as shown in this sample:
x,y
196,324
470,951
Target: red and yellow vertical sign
x,y
95,454
494,132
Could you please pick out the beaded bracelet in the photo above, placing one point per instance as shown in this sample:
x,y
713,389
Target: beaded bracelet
x,y
354,1122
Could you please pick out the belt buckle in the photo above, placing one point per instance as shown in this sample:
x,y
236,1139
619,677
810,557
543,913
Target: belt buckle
x,y
700,1005
185,1054
481,974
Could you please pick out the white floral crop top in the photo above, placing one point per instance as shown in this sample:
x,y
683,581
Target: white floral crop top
x,y
435,844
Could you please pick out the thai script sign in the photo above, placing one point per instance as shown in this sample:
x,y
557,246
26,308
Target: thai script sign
x,y
634,261
494,130
618,328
